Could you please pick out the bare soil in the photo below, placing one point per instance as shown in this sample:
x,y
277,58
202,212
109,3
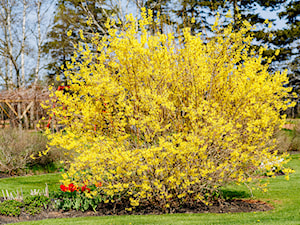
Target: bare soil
x,y
232,206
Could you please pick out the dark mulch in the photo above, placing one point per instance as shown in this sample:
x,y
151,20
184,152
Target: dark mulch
x,y
5,175
219,207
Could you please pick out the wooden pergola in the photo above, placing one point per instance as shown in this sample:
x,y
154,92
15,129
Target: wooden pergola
x,y
22,107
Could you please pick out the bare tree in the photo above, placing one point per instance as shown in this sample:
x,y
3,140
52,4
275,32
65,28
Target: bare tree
x,y
118,7
20,23
9,41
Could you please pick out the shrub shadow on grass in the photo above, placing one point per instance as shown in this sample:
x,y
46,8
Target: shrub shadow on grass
x,y
230,195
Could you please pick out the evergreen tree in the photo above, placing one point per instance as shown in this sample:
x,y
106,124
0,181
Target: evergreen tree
x,y
59,47
72,15
287,40
204,12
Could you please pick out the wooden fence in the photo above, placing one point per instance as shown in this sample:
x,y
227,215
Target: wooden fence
x,y
22,108
21,113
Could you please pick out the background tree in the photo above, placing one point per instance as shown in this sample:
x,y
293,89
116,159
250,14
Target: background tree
x,y
59,45
72,15
287,40
20,22
204,12
8,51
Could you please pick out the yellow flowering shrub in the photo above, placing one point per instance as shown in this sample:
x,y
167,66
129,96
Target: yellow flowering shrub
x,y
168,120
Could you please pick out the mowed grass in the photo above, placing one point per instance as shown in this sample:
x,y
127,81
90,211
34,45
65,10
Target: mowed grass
x,y
28,183
284,195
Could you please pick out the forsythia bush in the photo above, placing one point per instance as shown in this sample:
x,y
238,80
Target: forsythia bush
x,y
168,121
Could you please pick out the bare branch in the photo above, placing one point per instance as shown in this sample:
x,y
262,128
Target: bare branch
x,y
90,15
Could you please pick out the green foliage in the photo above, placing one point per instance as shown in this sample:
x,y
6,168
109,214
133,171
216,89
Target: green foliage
x,y
31,205
77,201
286,39
34,204
11,208
50,167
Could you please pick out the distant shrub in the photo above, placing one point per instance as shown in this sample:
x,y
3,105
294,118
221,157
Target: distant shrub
x,y
16,147
168,121
288,138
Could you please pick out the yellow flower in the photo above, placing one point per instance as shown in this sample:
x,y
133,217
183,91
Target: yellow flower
x,y
154,115
69,33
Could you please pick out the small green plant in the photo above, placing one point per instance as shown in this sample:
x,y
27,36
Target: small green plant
x,y
34,204
77,197
71,197
31,205
11,208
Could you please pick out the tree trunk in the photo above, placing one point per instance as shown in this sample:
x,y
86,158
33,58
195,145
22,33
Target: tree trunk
x,y
19,111
26,122
32,116
2,117
37,68
22,83
9,46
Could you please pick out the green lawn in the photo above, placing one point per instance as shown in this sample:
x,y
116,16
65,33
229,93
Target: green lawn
x,y
28,183
284,195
